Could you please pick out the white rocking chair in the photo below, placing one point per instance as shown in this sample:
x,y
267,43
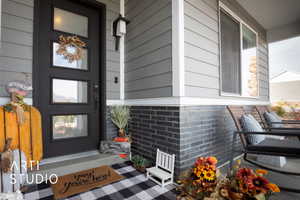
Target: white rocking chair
x,y
163,170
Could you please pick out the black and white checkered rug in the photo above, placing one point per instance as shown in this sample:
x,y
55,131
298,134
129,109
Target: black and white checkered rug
x,y
134,186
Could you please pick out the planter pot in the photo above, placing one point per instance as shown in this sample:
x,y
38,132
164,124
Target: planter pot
x,y
140,169
122,132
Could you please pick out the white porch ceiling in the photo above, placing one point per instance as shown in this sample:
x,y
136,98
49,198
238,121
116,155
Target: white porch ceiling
x,y
272,14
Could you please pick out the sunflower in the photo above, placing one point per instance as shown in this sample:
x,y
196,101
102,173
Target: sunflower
x,y
260,184
209,175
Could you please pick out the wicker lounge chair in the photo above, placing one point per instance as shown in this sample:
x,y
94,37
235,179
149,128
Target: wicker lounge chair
x,y
269,146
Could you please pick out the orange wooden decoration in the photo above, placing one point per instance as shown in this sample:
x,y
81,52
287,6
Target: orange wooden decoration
x,y
26,137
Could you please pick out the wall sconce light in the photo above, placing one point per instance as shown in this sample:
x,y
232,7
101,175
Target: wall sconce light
x,y
119,29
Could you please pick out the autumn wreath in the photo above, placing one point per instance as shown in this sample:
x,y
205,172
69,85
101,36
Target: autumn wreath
x,y
70,41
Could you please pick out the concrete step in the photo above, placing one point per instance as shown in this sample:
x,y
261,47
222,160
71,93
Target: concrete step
x,y
73,165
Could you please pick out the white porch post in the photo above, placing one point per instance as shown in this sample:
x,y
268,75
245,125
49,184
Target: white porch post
x,y
178,47
122,55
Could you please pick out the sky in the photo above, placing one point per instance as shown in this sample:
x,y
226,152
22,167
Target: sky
x,y
284,56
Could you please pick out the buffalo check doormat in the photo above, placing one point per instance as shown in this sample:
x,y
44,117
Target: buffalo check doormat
x,y
134,186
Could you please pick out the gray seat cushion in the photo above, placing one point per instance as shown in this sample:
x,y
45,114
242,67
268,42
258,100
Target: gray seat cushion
x,y
250,124
270,145
271,118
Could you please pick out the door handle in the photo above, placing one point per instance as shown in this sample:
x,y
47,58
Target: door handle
x,y
96,95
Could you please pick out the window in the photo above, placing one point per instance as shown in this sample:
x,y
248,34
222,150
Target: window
x,y
230,55
239,75
249,62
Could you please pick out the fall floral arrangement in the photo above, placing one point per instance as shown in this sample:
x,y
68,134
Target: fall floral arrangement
x,y
205,182
201,180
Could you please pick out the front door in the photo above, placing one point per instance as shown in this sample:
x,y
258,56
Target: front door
x,y
68,92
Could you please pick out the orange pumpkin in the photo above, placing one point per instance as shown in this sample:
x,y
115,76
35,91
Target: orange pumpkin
x,y
26,137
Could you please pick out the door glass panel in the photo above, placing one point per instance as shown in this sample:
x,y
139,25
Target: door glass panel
x,y
61,61
69,91
69,126
70,22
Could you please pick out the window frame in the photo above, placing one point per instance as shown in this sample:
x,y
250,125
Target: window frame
x,y
230,13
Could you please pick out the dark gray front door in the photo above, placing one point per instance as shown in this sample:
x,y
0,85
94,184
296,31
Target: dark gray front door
x,y
68,93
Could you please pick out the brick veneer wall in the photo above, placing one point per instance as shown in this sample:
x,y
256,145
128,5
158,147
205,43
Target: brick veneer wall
x,y
186,131
155,127
205,131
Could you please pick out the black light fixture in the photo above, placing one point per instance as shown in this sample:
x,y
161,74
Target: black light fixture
x,y
119,29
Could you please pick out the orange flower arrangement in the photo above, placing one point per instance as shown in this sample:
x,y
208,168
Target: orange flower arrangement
x,y
201,180
252,183
204,181
245,184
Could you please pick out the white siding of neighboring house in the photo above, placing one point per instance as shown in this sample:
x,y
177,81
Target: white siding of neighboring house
x,y
285,91
202,77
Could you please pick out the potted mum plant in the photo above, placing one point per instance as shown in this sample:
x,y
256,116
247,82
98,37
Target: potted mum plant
x,y
120,116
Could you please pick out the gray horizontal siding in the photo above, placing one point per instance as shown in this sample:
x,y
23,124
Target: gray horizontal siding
x,y
17,38
112,56
201,49
263,70
202,77
150,93
17,41
148,52
18,8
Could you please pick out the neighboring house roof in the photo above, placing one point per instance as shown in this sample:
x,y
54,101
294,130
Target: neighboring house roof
x,y
286,76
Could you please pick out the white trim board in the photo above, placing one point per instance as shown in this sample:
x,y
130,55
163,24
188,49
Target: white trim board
x,y
185,101
122,55
169,101
178,47
5,100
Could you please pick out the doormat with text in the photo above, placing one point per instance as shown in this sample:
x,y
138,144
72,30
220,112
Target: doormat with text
x,y
83,181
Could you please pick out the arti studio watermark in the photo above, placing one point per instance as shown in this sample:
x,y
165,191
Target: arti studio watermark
x,y
19,174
